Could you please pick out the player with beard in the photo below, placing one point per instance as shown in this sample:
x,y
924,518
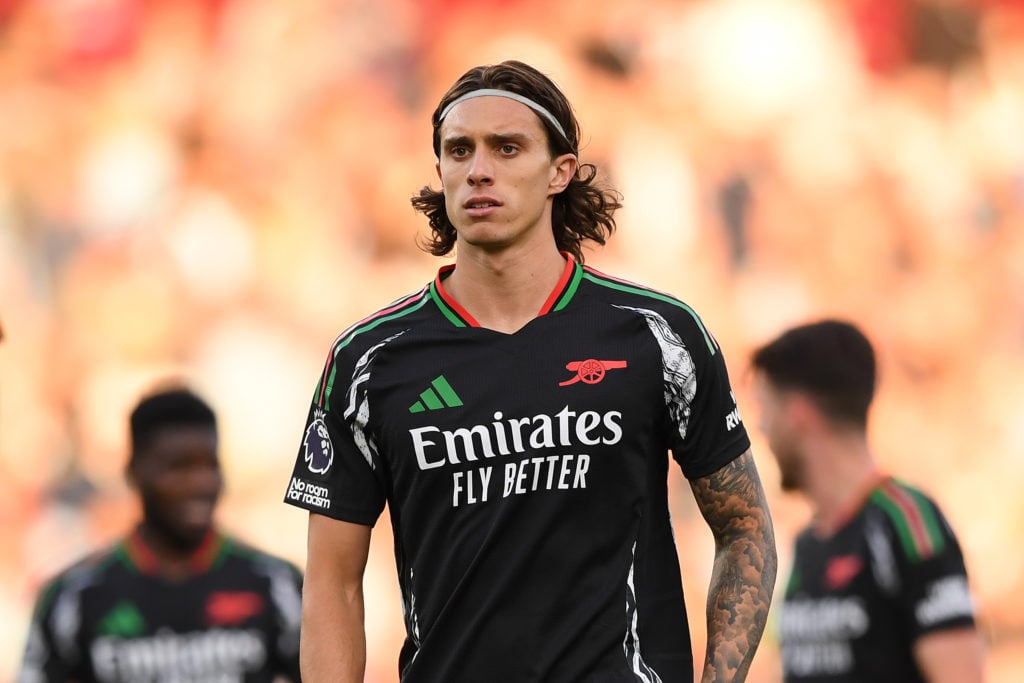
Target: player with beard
x,y
878,589
177,599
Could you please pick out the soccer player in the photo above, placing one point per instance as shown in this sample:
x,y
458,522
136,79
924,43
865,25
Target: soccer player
x,y
516,416
878,590
176,600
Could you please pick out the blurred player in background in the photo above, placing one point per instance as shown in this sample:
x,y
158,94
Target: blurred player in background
x,y
516,416
878,590
177,600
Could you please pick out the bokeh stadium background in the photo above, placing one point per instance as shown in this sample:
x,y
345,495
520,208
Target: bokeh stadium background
x,y
215,188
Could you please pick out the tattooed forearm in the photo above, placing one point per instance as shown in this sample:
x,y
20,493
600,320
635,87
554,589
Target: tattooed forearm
x,y
732,501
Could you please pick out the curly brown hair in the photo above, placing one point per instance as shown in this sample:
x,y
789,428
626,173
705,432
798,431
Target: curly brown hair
x,y
583,211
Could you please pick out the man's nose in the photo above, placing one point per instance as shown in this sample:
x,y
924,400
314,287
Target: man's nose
x,y
480,170
207,480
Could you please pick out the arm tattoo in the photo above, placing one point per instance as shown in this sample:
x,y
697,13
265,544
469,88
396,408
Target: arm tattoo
x,y
732,501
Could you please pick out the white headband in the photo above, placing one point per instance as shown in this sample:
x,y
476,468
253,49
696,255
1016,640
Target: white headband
x,y
494,92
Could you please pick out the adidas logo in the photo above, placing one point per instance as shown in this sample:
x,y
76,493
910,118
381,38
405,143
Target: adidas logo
x,y
124,621
437,396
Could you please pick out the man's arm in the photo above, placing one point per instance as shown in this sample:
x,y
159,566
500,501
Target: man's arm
x,y
732,501
951,656
333,641
45,660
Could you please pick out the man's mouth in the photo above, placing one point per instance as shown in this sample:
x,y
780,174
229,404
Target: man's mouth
x,y
197,511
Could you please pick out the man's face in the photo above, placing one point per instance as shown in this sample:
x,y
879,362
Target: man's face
x,y
179,480
776,422
498,175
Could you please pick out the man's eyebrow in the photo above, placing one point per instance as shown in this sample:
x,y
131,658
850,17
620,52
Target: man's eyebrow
x,y
502,138
455,141
493,139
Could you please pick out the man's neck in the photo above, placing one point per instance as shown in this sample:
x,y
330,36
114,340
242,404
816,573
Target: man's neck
x,y
841,476
504,291
165,556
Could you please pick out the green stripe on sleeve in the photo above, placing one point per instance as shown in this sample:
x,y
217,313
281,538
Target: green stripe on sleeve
x,y
899,519
355,333
623,287
931,520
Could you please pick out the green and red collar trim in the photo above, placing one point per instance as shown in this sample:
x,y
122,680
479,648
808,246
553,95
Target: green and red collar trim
x,y
558,299
140,557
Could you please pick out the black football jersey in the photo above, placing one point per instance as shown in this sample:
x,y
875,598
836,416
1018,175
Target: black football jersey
x,y
857,600
111,618
526,475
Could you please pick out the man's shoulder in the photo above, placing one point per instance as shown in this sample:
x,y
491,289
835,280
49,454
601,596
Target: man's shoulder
x,y
81,573
259,559
916,523
402,314
656,304
615,287
94,562
901,501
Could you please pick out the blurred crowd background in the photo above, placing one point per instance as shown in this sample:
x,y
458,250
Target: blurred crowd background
x,y
213,189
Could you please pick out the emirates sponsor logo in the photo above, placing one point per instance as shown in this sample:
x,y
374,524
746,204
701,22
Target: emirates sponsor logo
x,y
538,438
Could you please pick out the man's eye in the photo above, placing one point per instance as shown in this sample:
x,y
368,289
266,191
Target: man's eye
x,y
508,149
458,151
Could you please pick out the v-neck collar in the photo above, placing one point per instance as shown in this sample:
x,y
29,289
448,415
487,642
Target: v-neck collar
x,y
558,299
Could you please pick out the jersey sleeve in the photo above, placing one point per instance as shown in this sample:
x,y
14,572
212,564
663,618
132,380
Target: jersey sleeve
x,y
337,470
705,430
286,599
929,580
50,655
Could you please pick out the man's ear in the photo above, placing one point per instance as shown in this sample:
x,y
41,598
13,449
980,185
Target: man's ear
x,y
804,412
130,475
563,171
437,169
